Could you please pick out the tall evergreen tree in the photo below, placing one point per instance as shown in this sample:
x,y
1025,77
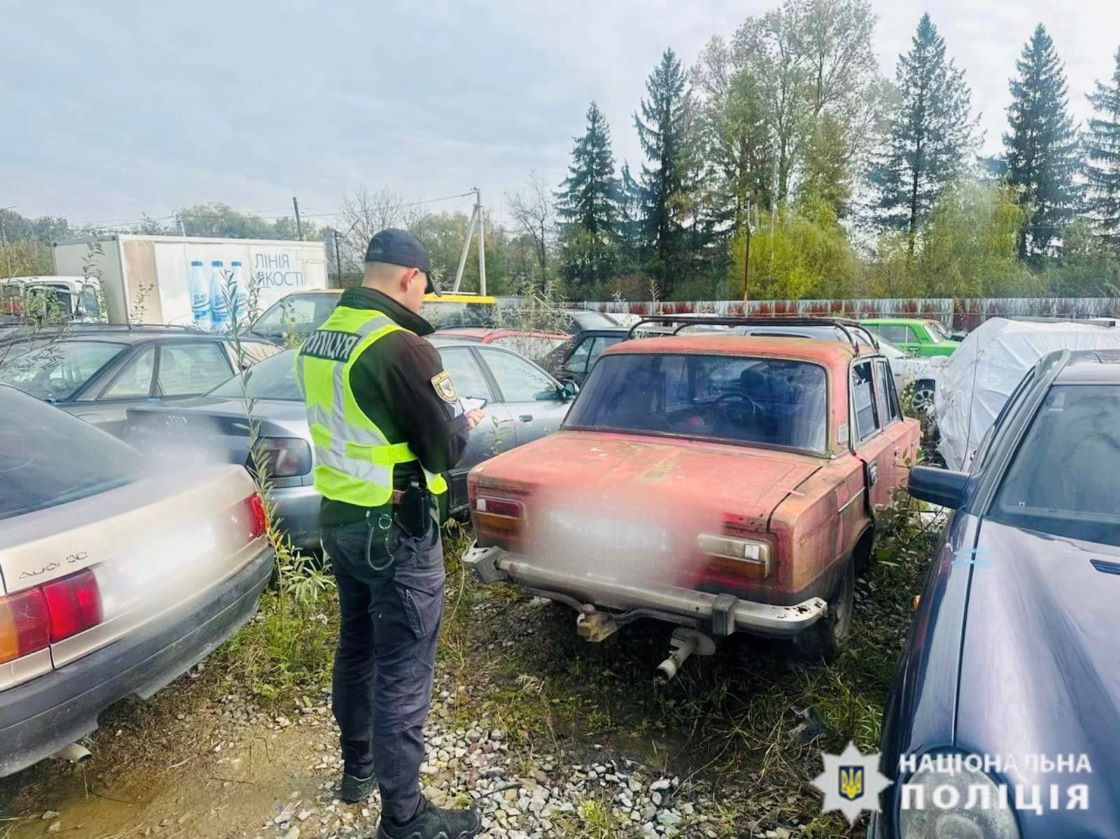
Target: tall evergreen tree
x,y
928,136
1102,152
663,128
631,222
1041,146
588,204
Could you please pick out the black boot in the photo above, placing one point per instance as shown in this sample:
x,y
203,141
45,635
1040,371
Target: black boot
x,y
354,789
432,822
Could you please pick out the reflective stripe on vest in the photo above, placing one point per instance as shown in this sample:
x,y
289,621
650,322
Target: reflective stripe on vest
x,y
354,459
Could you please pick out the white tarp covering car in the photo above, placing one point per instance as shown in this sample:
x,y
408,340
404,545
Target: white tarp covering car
x,y
978,378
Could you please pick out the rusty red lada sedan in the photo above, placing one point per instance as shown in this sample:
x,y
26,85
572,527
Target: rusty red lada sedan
x,y
717,481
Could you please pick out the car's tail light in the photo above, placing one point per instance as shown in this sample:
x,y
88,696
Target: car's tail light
x,y
496,517
729,554
258,516
283,457
24,625
73,604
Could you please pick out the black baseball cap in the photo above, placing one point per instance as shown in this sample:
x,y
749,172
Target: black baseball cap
x,y
399,247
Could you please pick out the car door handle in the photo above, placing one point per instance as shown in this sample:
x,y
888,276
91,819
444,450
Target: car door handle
x,y
526,418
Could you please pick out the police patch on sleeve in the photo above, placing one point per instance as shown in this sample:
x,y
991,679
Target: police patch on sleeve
x,y
445,388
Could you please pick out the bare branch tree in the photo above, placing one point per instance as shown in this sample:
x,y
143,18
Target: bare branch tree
x,y
532,212
364,213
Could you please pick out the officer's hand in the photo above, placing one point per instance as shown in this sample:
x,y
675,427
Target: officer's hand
x,y
474,417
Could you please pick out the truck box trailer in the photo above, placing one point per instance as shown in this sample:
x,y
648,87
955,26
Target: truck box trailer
x,y
180,279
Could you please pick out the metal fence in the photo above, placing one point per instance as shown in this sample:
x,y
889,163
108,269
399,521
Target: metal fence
x,y
955,313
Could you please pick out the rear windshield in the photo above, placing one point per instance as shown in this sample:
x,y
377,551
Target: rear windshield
x,y
273,378
446,314
57,371
48,457
1063,479
769,401
536,347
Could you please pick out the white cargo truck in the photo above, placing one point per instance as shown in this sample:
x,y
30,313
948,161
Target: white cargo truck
x,y
191,281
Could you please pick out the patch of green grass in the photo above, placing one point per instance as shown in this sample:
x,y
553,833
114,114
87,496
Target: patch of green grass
x,y
593,818
285,650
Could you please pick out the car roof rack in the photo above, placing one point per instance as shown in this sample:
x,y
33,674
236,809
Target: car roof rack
x,y
845,325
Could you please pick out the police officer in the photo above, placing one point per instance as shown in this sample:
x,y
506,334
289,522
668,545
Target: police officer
x,y
386,422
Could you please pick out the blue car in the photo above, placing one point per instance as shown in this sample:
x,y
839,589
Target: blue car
x,y
1009,684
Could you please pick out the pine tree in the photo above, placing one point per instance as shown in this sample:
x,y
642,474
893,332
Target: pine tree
x,y
1041,146
631,223
588,204
663,129
1102,151
928,136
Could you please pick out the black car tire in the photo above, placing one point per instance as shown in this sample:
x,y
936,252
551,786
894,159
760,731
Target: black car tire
x,y
822,641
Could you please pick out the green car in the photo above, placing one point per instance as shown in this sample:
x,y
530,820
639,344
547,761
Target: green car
x,y
914,336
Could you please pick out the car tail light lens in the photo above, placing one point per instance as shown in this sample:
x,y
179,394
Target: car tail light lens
x,y
24,625
258,516
499,516
283,457
73,604
737,556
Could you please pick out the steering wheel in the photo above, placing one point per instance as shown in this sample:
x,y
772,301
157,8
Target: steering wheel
x,y
738,406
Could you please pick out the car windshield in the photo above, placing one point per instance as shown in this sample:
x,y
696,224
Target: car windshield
x,y
1063,478
273,378
39,449
936,331
767,401
57,371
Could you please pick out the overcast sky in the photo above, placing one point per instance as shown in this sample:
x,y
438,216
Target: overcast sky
x,y
115,109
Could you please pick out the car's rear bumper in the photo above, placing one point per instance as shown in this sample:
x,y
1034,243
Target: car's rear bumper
x,y
723,614
44,715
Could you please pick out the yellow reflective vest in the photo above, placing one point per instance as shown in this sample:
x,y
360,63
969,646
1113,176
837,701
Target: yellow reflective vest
x,y
353,459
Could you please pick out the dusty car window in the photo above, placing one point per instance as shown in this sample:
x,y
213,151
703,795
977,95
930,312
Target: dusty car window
x,y
863,400
469,380
937,332
190,369
58,370
1063,477
136,380
273,378
34,477
751,400
518,380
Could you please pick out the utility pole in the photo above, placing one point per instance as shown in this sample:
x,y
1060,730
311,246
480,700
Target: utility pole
x,y
4,239
481,243
475,221
337,256
299,225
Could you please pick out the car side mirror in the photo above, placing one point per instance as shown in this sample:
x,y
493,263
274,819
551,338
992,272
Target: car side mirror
x,y
569,390
938,486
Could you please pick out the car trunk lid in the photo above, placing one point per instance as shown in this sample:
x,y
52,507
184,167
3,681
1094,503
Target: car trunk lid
x,y
152,545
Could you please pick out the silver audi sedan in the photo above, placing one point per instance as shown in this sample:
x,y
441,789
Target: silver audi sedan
x,y
115,577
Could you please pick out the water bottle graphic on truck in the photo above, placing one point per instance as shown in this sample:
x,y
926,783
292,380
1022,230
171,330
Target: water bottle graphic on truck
x,y
215,301
199,291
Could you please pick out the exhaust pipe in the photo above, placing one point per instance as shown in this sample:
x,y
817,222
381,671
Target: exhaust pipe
x,y
685,642
75,753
